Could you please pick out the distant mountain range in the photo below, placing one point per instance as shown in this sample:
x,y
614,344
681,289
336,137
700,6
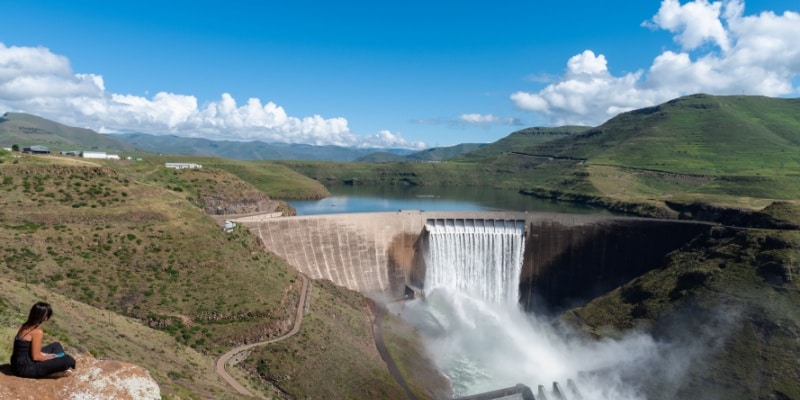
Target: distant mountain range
x,y
692,134
255,150
26,130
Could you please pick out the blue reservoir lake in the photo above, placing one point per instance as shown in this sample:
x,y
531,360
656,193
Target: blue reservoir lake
x,y
358,199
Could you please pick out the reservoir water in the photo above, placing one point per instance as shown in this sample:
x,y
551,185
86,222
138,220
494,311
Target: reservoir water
x,y
357,199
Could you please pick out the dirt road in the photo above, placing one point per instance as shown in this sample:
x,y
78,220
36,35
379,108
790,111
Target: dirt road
x,y
222,361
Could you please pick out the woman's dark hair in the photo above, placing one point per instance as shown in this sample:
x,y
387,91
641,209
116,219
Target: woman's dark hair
x,y
40,312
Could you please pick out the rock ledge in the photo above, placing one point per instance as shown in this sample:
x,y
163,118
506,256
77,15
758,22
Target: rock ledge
x,y
92,379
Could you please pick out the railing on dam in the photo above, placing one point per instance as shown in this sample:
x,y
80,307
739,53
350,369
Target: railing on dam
x,y
477,225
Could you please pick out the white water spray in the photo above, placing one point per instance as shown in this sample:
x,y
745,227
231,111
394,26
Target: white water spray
x,y
482,340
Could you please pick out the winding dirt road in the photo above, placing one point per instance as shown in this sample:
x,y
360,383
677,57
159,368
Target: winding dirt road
x,y
222,361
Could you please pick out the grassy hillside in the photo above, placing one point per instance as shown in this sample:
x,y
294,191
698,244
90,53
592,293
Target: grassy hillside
x,y
726,306
130,239
700,134
502,173
432,154
330,365
181,371
27,130
725,147
522,139
273,179
734,151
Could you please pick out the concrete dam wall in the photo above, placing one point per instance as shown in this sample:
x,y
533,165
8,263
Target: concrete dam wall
x,y
567,258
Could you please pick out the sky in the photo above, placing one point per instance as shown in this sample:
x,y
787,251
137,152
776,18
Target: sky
x,y
411,74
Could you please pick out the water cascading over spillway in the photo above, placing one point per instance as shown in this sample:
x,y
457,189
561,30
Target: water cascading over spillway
x,y
479,257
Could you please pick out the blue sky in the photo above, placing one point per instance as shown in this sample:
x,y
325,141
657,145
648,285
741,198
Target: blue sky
x,y
387,74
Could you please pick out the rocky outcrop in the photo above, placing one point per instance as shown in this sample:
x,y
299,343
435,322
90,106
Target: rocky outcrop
x,y
92,379
220,204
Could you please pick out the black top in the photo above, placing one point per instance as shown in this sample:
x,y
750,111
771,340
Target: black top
x,y
21,357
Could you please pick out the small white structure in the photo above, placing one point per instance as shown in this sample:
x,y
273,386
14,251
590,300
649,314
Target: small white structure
x,y
94,154
177,165
229,225
112,157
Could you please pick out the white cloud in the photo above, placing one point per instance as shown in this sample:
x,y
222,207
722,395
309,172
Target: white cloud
x,y
36,73
486,119
391,140
723,51
693,23
586,91
34,80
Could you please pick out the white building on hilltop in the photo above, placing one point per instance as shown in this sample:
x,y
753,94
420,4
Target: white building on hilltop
x,y
177,165
94,154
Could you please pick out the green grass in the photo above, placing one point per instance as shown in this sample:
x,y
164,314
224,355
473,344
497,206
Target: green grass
x,y
334,352
521,140
405,347
733,296
140,248
133,243
84,329
702,135
274,179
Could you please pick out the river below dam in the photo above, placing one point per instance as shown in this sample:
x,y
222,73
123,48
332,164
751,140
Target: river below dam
x,y
478,335
358,199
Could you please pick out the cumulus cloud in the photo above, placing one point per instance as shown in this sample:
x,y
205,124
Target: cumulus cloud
x,y
722,51
37,81
386,138
487,119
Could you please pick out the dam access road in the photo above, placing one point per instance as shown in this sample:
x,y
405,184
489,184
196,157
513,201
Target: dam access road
x,y
223,360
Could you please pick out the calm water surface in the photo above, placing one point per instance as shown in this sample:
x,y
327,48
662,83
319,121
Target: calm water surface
x,y
355,199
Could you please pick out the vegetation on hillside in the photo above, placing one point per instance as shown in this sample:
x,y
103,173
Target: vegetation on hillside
x,y
521,139
334,353
131,239
726,306
432,154
734,151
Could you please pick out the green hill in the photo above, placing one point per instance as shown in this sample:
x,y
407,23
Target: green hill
x,y
726,306
722,148
27,130
730,151
381,156
128,245
137,271
432,154
700,134
523,139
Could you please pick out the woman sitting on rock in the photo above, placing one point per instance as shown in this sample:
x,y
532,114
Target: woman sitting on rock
x,y
30,359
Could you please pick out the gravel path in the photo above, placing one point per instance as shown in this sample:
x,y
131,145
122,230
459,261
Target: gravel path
x,y
222,361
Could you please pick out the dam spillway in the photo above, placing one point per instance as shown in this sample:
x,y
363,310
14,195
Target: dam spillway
x,y
566,258
478,256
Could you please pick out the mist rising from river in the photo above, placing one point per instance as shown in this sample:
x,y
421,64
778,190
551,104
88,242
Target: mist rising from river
x,y
482,340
